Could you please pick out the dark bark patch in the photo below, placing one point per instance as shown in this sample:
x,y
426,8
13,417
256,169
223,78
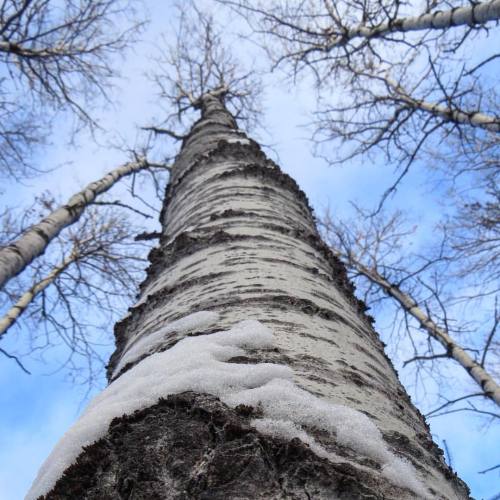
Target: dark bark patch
x,y
192,446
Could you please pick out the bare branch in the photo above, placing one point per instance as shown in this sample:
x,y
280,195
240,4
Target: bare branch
x,y
339,33
200,64
16,359
491,334
57,56
118,203
25,300
164,131
452,402
489,469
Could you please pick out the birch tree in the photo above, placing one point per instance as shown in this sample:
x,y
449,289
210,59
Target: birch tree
x,y
429,305
17,254
246,368
239,254
68,297
393,83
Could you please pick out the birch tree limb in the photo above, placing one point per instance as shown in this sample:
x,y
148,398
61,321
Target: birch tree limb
x,y
287,16
25,300
33,242
409,304
473,118
472,15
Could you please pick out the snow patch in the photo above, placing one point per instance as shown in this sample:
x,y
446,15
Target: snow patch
x,y
287,408
200,364
232,140
193,364
147,343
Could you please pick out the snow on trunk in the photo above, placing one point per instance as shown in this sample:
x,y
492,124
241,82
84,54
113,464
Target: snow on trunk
x,y
250,366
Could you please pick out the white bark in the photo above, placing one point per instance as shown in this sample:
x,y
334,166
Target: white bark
x,y
472,15
476,119
456,352
239,239
33,242
43,53
26,298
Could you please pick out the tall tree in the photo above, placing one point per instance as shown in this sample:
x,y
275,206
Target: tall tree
x,y
293,397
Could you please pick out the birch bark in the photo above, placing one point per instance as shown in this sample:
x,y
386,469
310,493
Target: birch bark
x,y
473,118
12,315
34,241
477,372
239,239
475,14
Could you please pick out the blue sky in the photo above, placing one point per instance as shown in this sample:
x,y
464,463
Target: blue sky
x,y
37,409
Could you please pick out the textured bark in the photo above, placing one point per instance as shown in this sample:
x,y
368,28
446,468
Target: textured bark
x,y
34,241
239,238
193,446
472,15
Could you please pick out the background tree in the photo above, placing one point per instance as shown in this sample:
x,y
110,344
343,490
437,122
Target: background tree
x,y
422,302
68,297
55,56
409,79
34,240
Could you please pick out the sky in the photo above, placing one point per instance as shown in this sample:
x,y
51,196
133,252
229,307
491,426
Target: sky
x,y
37,409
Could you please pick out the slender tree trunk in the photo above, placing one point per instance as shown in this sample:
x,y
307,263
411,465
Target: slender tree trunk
x,y
458,116
475,370
239,242
13,314
473,15
35,240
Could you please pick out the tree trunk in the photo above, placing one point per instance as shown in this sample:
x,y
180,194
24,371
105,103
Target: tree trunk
x,y
33,242
315,412
13,314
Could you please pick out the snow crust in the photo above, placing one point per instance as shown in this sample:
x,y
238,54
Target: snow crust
x,y
200,364
237,140
287,408
148,343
